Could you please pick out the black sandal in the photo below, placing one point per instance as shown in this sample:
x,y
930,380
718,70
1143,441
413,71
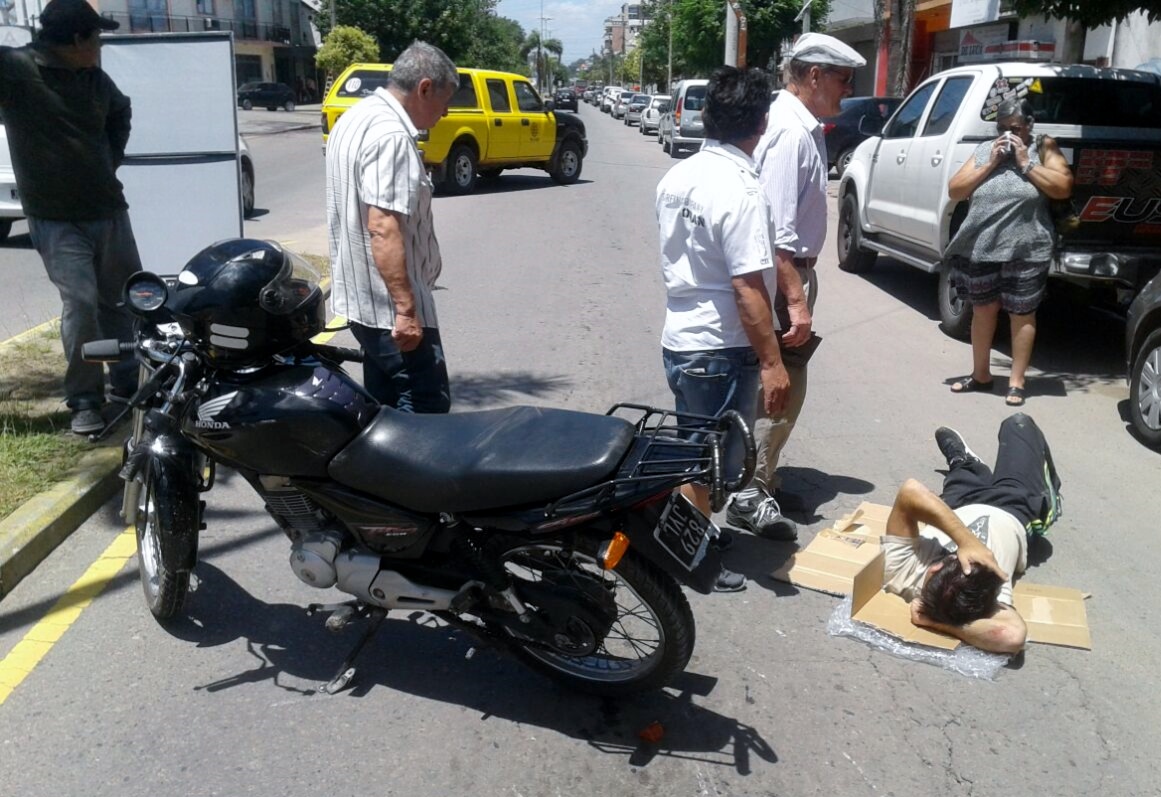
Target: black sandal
x,y
969,384
1015,397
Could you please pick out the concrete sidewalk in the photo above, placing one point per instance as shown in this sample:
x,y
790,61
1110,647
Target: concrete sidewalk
x,y
261,122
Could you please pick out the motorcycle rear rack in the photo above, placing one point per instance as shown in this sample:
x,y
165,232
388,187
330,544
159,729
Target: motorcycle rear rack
x,y
670,449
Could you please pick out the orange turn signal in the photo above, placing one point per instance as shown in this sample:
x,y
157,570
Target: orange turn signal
x,y
612,550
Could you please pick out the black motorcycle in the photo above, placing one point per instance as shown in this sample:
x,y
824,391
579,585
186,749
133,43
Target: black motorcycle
x,y
556,534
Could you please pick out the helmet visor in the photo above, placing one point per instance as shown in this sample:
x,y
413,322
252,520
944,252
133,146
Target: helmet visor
x,y
297,281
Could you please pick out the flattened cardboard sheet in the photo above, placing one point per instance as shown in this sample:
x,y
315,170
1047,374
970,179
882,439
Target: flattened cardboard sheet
x,y
847,560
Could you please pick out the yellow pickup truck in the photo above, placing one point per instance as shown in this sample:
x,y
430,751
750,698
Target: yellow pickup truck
x,y
496,121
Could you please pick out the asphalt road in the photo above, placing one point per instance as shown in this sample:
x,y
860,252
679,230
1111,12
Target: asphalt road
x,y
551,296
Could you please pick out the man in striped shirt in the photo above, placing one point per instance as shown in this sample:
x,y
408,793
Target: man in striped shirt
x,y
792,170
384,254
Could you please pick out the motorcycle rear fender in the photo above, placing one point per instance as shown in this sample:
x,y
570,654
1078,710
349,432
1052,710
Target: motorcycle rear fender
x,y
172,469
639,527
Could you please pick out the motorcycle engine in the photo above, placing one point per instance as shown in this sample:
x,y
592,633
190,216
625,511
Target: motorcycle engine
x,y
313,558
314,544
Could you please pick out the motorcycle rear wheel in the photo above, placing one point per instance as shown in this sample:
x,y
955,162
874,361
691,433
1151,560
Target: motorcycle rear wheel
x,y
164,506
650,641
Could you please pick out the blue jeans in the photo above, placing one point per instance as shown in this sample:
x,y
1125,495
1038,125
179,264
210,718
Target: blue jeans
x,y
711,382
414,381
88,262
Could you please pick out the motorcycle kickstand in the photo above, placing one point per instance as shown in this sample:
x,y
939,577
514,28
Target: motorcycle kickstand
x,y
346,672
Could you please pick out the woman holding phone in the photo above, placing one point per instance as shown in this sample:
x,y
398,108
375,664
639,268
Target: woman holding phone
x,y
1004,247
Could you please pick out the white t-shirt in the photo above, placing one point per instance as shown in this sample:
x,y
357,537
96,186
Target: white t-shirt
x,y
373,161
906,559
714,226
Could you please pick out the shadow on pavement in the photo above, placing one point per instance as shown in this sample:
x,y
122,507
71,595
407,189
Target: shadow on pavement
x,y
510,182
421,656
21,241
815,488
476,391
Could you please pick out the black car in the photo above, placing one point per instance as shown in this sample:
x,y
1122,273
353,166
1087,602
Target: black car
x,y
565,99
842,131
271,96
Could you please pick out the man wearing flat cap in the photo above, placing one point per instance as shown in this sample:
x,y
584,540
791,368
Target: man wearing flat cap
x,y
68,125
792,171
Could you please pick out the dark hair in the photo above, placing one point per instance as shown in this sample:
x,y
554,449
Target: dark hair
x,y
736,103
952,597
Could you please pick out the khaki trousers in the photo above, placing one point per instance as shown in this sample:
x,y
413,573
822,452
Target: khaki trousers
x,y
771,433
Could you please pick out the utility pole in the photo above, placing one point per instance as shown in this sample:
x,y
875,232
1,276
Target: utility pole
x,y
804,16
333,22
669,68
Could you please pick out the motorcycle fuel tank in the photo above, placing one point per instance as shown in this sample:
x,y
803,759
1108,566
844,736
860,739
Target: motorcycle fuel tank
x,y
285,419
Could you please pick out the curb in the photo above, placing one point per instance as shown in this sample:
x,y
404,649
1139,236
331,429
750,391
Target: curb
x,y
30,533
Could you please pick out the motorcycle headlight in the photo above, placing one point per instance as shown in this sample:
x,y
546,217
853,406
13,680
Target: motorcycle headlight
x,y
145,292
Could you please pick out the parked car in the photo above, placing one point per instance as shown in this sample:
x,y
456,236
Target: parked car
x,y
842,131
621,105
270,96
637,104
609,98
651,116
893,196
495,121
12,210
565,99
1143,358
685,128
587,96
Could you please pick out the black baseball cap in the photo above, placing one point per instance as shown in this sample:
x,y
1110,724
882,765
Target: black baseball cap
x,y
68,17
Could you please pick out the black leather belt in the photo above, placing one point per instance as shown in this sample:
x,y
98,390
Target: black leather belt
x,y
805,262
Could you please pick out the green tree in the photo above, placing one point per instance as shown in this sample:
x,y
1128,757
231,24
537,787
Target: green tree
x,y
543,48
451,25
344,46
497,46
1089,13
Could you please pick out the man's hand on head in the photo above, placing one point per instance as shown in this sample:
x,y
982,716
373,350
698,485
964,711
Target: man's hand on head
x,y
978,554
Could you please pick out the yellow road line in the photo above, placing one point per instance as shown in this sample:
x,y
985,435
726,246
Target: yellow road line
x,y
332,329
29,333
22,659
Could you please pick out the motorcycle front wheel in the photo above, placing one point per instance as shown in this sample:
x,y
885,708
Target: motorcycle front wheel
x,y
649,641
167,525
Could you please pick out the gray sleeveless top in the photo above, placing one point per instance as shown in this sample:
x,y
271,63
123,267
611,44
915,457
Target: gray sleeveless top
x,y
1008,218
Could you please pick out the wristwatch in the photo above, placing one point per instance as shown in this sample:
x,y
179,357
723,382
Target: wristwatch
x,y
1029,166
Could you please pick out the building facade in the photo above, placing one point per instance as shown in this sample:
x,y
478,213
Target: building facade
x,y
274,40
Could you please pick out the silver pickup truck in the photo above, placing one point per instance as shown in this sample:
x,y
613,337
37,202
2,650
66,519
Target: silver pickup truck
x,y
893,196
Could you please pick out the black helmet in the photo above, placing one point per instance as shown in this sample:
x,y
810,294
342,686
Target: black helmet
x,y
242,301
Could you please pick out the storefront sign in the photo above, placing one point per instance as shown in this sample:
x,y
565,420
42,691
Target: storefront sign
x,y
978,44
974,12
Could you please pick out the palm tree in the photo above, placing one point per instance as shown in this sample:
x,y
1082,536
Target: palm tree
x,y
534,42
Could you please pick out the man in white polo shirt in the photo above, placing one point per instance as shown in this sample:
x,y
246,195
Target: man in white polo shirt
x,y
384,255
718,342
792,170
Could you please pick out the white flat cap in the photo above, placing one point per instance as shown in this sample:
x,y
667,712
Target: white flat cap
x,y
818,48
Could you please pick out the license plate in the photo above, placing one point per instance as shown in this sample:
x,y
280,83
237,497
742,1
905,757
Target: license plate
x,y
684,532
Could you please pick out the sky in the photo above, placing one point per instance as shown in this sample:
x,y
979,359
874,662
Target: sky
x,y
579,24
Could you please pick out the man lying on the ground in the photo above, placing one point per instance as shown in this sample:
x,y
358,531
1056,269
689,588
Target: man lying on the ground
x,y
953,557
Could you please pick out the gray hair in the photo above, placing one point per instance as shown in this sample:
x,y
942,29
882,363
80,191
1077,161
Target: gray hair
x,y
795,71
422,60
1015,107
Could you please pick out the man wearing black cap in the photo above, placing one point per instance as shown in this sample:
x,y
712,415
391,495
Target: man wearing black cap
x,y
68,125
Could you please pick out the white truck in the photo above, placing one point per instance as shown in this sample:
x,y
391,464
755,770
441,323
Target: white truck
x,y
893,196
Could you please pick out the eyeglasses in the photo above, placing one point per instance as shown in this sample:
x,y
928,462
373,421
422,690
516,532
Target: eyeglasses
x,y
845,77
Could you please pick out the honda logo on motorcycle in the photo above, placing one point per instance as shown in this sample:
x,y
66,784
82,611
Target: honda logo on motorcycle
x,y
207,413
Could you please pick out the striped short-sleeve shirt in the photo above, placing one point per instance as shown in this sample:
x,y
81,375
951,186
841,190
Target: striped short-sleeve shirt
x,y
372,161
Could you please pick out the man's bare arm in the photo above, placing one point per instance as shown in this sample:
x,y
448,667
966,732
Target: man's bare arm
x,y
915,504
1003,632
790,286
386,229
757,318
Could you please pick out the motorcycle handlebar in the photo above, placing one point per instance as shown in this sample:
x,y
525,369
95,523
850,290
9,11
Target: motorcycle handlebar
x,y
102,351
339,353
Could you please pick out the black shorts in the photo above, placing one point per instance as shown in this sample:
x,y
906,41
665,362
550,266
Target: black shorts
x,y
1019,285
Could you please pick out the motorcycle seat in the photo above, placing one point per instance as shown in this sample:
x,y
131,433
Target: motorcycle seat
x,y
474,461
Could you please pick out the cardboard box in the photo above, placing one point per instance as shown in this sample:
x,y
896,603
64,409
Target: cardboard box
x,y
848,560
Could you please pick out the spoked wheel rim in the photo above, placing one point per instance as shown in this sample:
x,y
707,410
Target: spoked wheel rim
x,y
148,550
1149,390
634,644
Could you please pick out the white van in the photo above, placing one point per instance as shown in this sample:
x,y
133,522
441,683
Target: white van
x,y
687,129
